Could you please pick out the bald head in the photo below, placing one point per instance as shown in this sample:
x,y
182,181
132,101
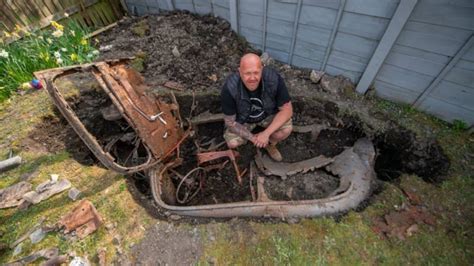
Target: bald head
x,y
250,70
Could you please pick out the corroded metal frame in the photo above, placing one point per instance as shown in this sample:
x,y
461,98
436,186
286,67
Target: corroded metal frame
x,y
101,71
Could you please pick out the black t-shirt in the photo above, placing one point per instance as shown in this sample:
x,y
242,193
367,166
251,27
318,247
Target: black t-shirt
x,y
257,113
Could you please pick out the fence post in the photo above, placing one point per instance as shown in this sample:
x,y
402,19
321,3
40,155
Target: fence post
x,y
264,30
170,4
333,34
234,13
467,45
295,29
394,28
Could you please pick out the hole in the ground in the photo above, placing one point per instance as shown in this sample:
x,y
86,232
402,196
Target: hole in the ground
x,y
398,151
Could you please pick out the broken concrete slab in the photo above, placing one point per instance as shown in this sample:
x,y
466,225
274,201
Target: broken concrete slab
x,y
283,170
44,253
47,190
83,219
12,196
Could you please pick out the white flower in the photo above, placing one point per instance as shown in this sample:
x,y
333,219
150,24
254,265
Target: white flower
x,y
57,54
66,15
90,55
95,52
58,33
49,40
64,49
73,33
4,54
40,37
59,61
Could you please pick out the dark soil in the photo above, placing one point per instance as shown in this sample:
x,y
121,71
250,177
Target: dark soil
x,y
208,51
204,39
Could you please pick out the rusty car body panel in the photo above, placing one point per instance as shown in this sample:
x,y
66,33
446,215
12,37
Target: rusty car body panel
x,y
158,125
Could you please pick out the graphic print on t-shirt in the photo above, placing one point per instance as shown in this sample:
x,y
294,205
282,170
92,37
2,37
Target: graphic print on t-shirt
x,y
256,110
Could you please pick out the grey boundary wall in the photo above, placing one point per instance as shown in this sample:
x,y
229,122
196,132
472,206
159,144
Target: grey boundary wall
x,y
417,52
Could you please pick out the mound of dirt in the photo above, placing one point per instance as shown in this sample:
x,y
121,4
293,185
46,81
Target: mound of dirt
x,y
195,51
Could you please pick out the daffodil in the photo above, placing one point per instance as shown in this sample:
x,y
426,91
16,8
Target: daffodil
x,y
3,53
49,40
57,33
74,57
44,56
57,26
59,61
18,28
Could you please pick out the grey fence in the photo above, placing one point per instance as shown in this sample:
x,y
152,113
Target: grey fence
x,y
419,52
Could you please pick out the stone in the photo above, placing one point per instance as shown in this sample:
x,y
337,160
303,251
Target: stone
x,y
37,236
266,59
176,52
336,85
18,249
175,217
74,194
116,240
79,261
316,76
106,48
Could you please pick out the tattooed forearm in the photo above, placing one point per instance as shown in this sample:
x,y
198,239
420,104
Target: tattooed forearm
x,y
237,128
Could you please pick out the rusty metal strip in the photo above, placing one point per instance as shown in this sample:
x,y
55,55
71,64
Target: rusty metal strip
x,y
213,155
362,175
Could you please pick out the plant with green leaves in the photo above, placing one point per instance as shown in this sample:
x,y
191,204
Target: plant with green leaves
x,y
58,46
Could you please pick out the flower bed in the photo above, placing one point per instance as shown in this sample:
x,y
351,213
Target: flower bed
x,y
61,45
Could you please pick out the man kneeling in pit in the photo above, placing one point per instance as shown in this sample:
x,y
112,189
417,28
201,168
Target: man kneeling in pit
x,y
256,96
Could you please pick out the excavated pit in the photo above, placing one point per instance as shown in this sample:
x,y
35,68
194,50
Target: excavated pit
x,y
152,40
398,150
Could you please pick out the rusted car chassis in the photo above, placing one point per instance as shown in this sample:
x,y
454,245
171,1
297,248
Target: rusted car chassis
x,y
160,128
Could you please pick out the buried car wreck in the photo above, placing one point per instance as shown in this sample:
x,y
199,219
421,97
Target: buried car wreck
x,y
159,134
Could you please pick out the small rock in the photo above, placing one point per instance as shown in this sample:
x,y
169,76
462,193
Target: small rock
x,y
54,178
74,194
293,220
37,236
109,226
116,240
175,217
78,261
412,229
316,76
176,52
18,249
118,250
266,59
106,48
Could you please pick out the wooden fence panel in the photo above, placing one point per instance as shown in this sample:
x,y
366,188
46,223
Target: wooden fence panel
x,y
36,14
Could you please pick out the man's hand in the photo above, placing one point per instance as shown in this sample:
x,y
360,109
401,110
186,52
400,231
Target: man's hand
x,y
261,140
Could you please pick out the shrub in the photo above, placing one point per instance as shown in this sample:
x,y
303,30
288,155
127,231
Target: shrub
x,y
58,46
